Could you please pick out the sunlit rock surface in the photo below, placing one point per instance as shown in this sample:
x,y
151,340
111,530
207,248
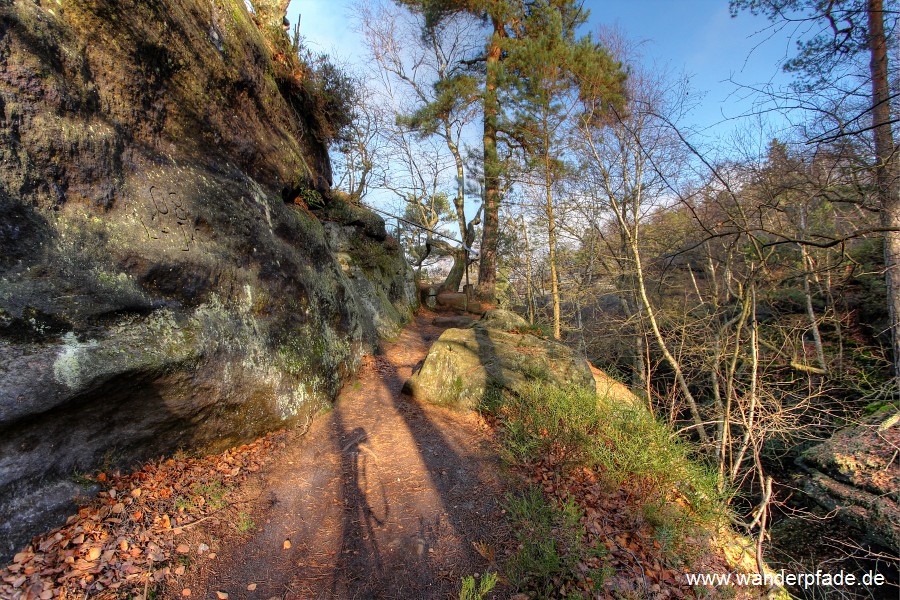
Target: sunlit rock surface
x,y
463,364
856,473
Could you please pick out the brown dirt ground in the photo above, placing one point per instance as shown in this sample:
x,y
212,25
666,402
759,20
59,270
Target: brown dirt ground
x,y
383,497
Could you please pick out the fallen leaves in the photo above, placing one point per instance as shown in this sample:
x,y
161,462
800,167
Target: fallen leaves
x,y
628,547
122,540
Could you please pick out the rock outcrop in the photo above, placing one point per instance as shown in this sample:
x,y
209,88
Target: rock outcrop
x,y
504,320
463,364
160,287
856,474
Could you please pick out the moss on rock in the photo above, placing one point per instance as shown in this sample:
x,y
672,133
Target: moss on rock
x,y
464,365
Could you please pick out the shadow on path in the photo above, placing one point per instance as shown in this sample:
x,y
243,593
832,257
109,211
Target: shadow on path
x,y
383,498
417,540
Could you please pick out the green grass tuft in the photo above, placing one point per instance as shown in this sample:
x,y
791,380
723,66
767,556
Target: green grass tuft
x,y
545,418
213,493
244,523
621,442
551,544
471,591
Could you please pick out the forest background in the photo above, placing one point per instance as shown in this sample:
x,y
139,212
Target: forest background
x,y
701,197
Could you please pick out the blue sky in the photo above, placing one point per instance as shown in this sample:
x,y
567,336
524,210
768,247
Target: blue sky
x,y
701,38
695,37
698,37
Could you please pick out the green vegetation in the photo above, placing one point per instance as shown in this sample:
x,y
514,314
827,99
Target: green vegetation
x,y
551,543
880,406
541,330
626,448
370,256
470,591
213,494
82,479
543,418
310,197
244,523
182,503
624,442
330,95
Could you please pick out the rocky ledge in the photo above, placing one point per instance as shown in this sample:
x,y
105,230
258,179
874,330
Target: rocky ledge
x,y
464,364
856,474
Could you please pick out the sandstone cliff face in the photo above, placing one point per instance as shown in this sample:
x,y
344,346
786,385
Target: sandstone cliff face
x,y
156,289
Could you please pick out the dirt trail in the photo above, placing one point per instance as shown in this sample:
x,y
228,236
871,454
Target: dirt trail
x,y
382,498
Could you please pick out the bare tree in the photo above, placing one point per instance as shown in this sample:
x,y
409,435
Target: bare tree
x,y
422,68
632,158
845,81
361,159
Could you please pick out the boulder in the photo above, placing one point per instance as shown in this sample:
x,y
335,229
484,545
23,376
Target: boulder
x,y
857,475
458,301
504,320
463,364
457,321
611,390
452,300
159,289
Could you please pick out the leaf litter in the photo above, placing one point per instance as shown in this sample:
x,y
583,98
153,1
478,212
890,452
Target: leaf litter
x,y
126,538
631,557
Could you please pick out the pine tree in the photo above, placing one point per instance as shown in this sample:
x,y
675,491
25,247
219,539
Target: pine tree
x,y
510,23
550,69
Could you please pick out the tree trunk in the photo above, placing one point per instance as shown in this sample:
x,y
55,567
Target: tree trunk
x,y
459,201
633,322
487,267
807,292
551,242
886,170
551,234
455,276
529,290
654,326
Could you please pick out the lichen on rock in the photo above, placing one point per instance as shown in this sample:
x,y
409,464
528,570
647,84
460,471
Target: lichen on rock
x,y
856,474
464,364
